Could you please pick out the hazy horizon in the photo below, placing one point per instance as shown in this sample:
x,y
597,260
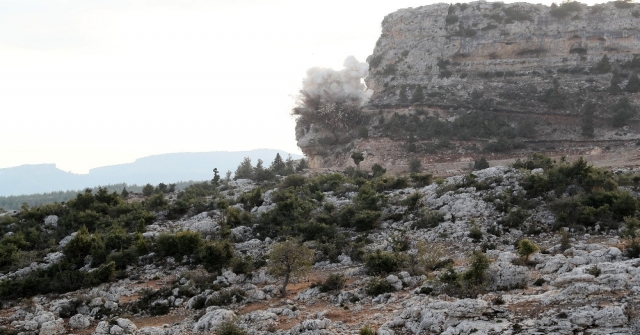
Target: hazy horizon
x,y
154,155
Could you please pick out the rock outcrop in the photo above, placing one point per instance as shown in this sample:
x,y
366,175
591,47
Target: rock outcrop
x,y
452,83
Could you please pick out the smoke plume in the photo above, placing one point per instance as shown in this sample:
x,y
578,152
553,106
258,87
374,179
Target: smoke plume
x,y
323,85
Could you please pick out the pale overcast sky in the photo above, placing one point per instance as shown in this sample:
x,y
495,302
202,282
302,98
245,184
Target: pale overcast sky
x,y
88,83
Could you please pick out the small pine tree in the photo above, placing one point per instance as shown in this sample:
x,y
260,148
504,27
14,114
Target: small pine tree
x,y
476,274
278,166
556,98
603,66
526,248
244,170
622,112
289,166
402,96
411,144
378,170
216,177
418,95
480,164
262,174
357,157
587,119
630,231
415,166
565,242
302,165
616,80
124,194
633,85
147,190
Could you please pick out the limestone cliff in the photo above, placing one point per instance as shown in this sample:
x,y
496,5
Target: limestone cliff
x,y
452,83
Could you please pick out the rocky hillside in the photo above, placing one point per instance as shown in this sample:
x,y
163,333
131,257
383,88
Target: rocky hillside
x,y
540,247
452,83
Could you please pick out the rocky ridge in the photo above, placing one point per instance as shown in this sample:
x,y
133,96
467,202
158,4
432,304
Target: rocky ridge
x,y
589,286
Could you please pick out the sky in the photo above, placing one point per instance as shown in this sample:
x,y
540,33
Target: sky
x,y
89,83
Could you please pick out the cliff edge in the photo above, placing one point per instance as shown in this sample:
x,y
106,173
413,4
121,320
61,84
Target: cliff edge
x,y
452,83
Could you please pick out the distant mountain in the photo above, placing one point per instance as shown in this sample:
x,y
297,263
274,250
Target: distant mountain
x,y
166,168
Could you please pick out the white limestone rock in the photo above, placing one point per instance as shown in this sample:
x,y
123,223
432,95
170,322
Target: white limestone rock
x,y
103,327
80,321
51,221
213,319
507,276
126,324
610,316
54,327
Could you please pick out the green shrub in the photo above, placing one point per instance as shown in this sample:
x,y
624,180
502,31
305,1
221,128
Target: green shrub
x,y
475,233
534,161
294,181
421,180
603,66
367,198
476,273
316,231
428,219
123,258
515,218
449,276
415,166
565,9
377,286
413,201
503,144
594,271
333,283
366,330
366,220
156,202
184,243
480,164
226,297
624,4
215,256
229,328
451,19
526,248
381,263
515,14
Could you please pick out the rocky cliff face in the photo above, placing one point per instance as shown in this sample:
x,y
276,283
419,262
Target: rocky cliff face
x,y
452,83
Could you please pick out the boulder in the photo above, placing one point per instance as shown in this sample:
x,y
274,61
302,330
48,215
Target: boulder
x,y
506,276
313,324
116,330
213,319
610,316
260,320
103,327
395,282
80,321
126,324
51,221
43,317
468,308
582,318
55,327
